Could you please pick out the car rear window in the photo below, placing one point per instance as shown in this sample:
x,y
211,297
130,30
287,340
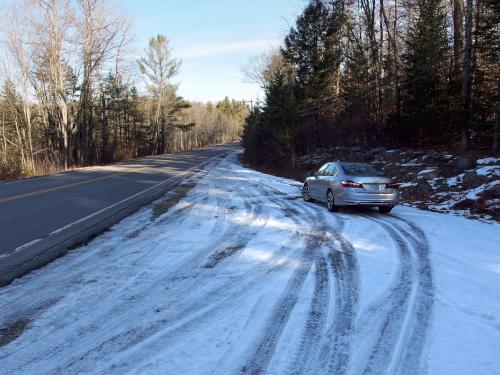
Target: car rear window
x,y
362,170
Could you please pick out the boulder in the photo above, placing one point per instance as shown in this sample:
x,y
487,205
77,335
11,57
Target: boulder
x,y
429,174
448,170
368,155
392,152
464,163
466,204
491,192
392,155
411,176
379,150
446,157
356,149
422,190
441,185
410,154
392,170
472,180
435,155
427,158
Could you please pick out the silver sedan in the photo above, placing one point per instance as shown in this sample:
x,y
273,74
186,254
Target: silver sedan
x,y
351,184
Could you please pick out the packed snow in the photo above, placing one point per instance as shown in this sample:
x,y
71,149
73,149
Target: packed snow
x,y
489,171
488,160
242,276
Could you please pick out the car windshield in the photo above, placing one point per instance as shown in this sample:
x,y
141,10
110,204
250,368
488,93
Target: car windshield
x,y
354,169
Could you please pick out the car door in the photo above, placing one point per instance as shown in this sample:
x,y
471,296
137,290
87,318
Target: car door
x,y
325,180
335,179
314,183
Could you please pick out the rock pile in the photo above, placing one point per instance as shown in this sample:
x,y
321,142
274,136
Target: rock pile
x,y
434,180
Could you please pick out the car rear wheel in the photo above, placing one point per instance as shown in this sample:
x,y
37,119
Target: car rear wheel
x,y
385,209
330,202
305,193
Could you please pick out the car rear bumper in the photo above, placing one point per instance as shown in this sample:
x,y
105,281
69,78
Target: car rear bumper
x,y
354,198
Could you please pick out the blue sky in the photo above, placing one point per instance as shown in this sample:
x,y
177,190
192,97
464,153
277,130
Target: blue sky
x,y
214,39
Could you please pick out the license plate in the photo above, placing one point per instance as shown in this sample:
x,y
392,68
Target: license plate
x,y
375,187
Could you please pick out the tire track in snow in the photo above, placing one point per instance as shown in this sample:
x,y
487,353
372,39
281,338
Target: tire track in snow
x,y
342,260
424,300
337,352
306,358
218,300
262,353
406,312
185,314
259,360
121,300
197,310
333,354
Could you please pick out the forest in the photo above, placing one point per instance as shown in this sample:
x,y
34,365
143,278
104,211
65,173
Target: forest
x,y
71,95
399,73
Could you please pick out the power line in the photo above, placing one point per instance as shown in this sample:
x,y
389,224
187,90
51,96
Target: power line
x,y
361,94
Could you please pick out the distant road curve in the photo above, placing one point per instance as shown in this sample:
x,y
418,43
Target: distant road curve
x,y
31,209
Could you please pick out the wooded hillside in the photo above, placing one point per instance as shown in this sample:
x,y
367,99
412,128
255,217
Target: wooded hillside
x,y
399,73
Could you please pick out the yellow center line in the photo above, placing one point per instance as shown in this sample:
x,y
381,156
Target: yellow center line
x,y
38,192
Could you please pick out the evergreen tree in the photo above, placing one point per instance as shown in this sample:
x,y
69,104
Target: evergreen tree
x,y
425,104
158,68
312,47
270,132
486,66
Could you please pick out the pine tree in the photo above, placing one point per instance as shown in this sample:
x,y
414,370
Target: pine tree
x,y
312,48
158,68
425,107
270,132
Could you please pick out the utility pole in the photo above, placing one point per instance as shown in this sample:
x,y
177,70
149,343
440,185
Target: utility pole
x,y
248,101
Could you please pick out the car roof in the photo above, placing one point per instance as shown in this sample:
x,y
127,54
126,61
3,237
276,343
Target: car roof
x,y
352,163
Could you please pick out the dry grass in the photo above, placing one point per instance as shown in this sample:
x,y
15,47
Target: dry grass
x,y
12,331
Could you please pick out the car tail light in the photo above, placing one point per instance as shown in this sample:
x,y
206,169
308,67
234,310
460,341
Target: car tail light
x,y
350,184
393,185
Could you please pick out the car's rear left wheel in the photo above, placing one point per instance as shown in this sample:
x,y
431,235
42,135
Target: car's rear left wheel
x,y
305,193
330,202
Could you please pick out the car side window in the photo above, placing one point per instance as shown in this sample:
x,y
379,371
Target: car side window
x,y
331,170
322,170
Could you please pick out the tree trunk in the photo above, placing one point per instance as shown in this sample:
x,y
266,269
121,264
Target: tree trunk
x,y
496,129
104,130
458,61
4,138
394,44
458,40
27,118
467,79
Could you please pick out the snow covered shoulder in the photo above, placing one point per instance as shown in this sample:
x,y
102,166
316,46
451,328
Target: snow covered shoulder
x,y
234,273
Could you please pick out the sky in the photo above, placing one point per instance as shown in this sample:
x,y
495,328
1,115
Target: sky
x,y
214,39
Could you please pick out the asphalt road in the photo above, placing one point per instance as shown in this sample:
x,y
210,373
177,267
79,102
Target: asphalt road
x,y
32,208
